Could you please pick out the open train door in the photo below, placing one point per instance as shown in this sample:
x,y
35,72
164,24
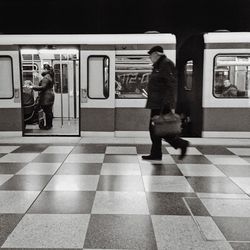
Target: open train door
x,y
65,63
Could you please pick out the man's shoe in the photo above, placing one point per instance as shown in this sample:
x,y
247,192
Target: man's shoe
x,y
183,150
151,157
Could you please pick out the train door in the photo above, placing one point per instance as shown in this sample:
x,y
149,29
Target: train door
x,y
97,90
65,64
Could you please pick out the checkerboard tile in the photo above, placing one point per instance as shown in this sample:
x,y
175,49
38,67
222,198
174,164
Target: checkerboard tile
x,y
104,196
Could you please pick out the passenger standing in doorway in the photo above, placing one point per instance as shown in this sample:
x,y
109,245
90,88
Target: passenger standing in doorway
x,y
162,88
46,94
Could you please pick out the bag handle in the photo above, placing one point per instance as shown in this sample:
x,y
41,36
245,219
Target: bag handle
x,y
162,109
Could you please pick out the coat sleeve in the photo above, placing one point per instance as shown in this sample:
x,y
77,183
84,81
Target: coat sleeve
x,y
43,85
169,85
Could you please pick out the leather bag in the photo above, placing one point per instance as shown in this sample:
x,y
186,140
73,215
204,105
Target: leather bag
x,y
166,125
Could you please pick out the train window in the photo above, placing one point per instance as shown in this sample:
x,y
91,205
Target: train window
x,y
30,72
232,76
6,78
132,75
61,79
98,77
188,73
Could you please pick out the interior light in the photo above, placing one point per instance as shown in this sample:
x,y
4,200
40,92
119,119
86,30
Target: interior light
x,y
29,51
58,51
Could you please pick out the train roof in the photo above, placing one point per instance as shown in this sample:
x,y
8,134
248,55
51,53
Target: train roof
x,y
225,37
94,39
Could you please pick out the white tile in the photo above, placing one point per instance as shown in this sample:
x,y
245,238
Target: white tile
x,y
19,157
243,183
226,159
166,184
16,202
166,159
120,169
34,168
120,150
223,196
240,151
73,183
209,228
4,178
199,170
85,158
49,231
181,232
227,207
58,150
7,149
190,151
120,203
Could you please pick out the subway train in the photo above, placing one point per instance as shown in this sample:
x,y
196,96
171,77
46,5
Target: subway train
x,y
100,83
214,85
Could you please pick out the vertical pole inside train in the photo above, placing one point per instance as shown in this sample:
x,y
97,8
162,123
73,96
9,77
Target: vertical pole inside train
x,y
69,86
74,86
61,80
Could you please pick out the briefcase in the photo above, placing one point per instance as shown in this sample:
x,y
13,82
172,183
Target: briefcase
x,y
166,125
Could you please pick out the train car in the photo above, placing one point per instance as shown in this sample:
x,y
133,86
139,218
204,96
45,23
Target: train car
x,y
99,83
214,85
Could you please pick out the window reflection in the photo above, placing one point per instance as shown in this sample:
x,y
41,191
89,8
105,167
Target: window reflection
x,y
188,72
132,75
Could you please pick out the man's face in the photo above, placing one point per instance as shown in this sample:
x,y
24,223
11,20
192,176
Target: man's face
x,y
153,57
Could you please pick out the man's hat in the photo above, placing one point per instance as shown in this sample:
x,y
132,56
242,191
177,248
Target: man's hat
x,y
155,49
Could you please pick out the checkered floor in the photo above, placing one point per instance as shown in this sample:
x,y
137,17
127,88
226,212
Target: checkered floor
x,y
103,196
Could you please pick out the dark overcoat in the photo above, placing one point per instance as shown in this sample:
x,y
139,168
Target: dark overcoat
x,y
162,86
46,93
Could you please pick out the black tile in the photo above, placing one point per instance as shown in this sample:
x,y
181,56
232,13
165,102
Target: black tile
x,y
1,155
214,150
120,231
196,206
80,168
63,202
11,168
26,182
120,159
120,183
240,245
235,170
89,149
213,185
31,148
192,159
7,224
160,169
234,229
145,149
246,159
50,158
168,203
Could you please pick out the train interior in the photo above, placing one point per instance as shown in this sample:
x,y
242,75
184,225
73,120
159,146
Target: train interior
x,y
65,62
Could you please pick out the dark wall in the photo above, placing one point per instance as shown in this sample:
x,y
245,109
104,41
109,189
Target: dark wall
x,y
181,17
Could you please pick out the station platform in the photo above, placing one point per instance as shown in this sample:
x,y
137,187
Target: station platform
x,y
97,193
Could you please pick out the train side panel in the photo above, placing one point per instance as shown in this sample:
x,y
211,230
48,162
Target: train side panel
x,y
10,103
226,115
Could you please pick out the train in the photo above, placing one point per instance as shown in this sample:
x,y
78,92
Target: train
x,y
100,83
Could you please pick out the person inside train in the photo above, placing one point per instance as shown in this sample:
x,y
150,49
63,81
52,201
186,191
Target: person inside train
x,y
162,88
228,89
46,94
